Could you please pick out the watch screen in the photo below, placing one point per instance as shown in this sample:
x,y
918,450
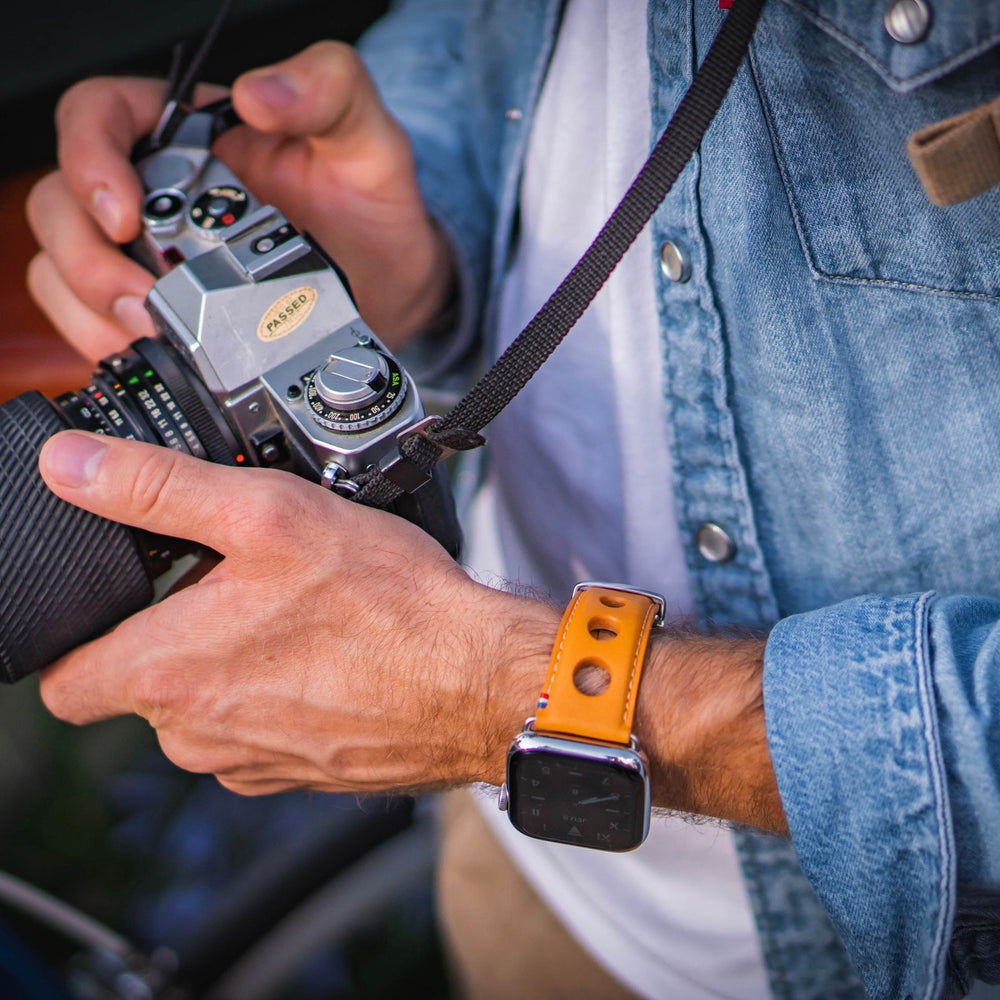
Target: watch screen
x,y
573,800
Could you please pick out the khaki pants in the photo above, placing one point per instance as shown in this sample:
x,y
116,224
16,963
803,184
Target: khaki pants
x,y
502,941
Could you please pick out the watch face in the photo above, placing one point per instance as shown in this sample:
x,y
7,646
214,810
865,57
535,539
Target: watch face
x,y
597,802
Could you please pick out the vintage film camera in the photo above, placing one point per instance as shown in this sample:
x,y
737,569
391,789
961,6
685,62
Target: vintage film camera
x,y
261,359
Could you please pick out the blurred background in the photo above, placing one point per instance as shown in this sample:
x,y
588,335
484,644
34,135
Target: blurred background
x,y
97,816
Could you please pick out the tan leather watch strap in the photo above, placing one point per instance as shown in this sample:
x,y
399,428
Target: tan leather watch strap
x,y
590,690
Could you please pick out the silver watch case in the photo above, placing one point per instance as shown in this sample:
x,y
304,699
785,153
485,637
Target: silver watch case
x,y
586,793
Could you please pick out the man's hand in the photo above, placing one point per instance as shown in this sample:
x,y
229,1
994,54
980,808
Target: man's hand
x,y
334,647
319,145
337,647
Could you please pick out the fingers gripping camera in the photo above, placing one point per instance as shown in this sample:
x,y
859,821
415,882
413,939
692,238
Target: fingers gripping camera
x,y
260,359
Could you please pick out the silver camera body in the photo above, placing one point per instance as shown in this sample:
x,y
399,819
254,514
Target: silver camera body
x,y
265,321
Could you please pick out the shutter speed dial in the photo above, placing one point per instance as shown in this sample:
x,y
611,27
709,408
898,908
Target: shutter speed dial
x,y
357,388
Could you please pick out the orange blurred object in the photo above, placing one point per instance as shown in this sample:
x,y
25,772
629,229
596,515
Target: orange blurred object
x,y
32,354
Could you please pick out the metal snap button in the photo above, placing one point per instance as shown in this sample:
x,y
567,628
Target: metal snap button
x,y
675,262
907,21
714,543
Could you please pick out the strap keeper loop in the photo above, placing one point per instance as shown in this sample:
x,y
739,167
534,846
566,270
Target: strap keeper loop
x,y
448,441
404,474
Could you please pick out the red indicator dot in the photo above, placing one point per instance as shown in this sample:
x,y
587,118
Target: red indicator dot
x,y
241,459
98,395
228,219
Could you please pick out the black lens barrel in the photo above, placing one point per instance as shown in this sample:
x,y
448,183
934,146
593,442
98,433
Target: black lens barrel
x,y
66,576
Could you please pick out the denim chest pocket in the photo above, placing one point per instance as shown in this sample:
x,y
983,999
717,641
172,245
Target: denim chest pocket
x,y
841,97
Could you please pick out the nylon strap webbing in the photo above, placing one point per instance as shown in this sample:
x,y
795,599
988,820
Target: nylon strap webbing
x,y
459,429
958,158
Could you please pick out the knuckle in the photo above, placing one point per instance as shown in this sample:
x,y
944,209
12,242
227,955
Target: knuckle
x,y
337,64
53,695
330,52
350,766
97,279
69,101
39,199
248,789
150,486
161,694
36,276
81,95
180,752
277,513
272,506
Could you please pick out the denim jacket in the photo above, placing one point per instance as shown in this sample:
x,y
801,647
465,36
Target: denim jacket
x,y
832,369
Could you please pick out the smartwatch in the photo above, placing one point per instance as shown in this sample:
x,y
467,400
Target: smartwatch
x,y
575,773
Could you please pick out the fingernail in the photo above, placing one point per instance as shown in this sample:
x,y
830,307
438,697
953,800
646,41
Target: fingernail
x,y
104,205
129,311
73,458
275,89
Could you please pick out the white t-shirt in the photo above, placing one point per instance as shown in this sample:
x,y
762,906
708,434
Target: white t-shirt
x,y
579,487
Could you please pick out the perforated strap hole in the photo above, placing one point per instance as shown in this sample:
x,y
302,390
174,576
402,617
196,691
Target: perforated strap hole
x,y
610,601
602,629
591,678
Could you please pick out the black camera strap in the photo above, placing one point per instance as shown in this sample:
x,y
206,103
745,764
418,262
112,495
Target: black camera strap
x,y
436,438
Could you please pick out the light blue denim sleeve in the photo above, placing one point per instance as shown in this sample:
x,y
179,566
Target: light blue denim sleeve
x,y
416,55
883,718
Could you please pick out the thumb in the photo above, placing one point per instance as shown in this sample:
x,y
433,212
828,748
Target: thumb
x,y
323,93
147,486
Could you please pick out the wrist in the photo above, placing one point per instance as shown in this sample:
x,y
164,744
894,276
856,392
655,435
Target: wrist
x,y
429,307
700,719
516,661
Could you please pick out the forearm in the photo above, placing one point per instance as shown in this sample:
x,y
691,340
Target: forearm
x,y
417,57
881,712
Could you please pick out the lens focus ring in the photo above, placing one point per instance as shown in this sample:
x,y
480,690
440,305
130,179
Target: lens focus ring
x,y
66,575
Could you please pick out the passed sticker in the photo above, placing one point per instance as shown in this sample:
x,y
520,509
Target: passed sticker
x,y
287,314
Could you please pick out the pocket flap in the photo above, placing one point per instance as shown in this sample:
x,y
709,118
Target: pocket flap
x,y
958,31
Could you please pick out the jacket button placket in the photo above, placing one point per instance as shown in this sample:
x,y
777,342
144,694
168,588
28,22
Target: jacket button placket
x,y
711,496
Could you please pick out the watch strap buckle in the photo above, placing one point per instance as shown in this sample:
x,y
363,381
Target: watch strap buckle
x,y
660,603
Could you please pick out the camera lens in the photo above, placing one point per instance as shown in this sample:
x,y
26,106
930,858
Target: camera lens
x,y
146,393
66,575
